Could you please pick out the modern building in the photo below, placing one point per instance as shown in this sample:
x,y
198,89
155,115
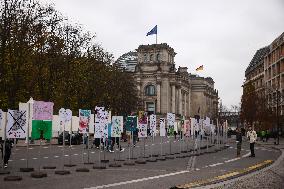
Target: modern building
x,y
266,73
255,71
127,61
162,88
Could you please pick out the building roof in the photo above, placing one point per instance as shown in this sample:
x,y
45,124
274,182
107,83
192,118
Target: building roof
x,y
257,59
127,61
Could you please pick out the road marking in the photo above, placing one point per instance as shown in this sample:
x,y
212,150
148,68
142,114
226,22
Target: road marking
x,y
10,160
66,155
75,154
92,152
59,146
230,160
246,155
138,180
45,147
214,165
23,159
45,157
56,156
34,158
231,147
31,148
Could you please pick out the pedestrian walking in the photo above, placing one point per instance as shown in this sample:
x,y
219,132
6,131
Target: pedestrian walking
x,y
239,141
252,136
8,150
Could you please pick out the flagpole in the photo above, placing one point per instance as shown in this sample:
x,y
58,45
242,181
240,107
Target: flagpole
x,y
156,38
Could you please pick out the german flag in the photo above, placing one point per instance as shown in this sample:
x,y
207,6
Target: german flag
x,y
199,68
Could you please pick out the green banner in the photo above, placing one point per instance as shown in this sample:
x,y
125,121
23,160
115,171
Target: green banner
x,y
131,123
42,129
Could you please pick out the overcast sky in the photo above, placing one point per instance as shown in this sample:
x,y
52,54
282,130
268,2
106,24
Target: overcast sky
x,y
222,35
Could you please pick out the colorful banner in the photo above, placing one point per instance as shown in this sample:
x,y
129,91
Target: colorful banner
x,y
16,125
187,128
171,123
153,125
162,127
65,116
41,129
131,123
117,126
42,110
142,130
84,120
101,119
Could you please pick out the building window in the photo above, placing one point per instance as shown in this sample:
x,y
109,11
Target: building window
x,y
145,57
151,57
158,57
150,90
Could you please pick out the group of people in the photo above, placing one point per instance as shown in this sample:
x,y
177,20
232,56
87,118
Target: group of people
x,y
251,135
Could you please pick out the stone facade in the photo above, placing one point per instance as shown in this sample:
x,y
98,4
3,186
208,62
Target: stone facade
x,y
163,89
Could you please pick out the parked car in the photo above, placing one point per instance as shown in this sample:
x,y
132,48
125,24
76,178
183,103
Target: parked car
x,y
76,138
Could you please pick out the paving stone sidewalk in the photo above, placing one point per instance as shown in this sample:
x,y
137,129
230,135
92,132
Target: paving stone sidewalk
x,y
271,177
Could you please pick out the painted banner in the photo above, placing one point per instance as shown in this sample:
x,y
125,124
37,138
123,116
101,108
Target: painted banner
x,y
65,116
99,121
131,123
171,123
117,126
153,125
142,130
41,129
42,110
16,125
186,128
162,127
101,117
142,124
84,120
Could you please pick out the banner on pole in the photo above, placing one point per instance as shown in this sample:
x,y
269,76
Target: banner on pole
x,y
84,120
171,123
187,128
131,123
41,129
42,110
101,119
117,126
162,127
153,125
16,125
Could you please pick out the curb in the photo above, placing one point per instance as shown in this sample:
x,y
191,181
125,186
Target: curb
x,y
225,177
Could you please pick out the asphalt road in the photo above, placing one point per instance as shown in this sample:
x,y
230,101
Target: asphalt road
x,y
160,174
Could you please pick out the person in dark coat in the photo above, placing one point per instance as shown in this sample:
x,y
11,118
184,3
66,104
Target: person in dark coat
x,y
8,151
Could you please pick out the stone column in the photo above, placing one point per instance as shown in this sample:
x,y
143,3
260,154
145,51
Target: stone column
x,y
158,97
173,98
179,101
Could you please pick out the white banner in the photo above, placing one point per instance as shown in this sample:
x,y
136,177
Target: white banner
x,y
162,127
117,126
142,130
100,121
153,125
16,126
